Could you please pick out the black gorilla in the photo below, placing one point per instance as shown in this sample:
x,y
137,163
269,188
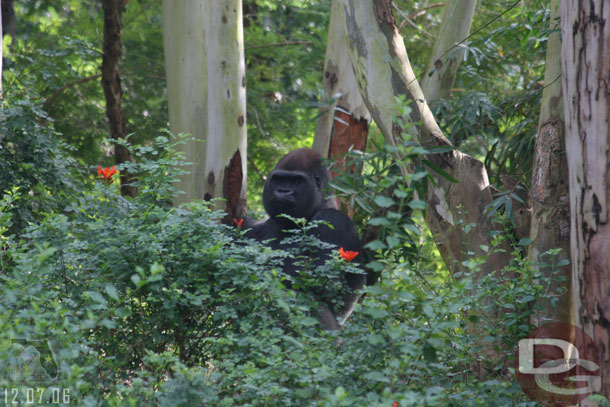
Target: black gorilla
x,y
296,188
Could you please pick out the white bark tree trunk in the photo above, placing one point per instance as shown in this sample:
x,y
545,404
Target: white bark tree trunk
x,y
206,83
448,54
339,78
585,28
383,72
550,220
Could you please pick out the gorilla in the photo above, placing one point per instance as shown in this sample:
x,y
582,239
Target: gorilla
x,y
296,188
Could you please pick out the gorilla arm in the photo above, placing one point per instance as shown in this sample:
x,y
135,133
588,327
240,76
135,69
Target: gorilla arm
x,y
343,234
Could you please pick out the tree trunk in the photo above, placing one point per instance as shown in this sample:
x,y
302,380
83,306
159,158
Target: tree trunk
x,y
447,56
550,224
111,82
8,25
206,83
585,28
9,21
1,48
383,72
346,124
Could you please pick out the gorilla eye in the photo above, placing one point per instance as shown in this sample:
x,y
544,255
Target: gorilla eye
x,y
318,182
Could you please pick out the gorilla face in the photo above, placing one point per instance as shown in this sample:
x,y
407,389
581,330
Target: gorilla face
x,y
292,193
295,186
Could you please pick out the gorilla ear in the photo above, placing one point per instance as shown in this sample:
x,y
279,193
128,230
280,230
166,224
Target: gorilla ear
x,y
318,182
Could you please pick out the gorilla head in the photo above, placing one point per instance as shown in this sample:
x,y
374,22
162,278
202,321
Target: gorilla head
x,y
296,186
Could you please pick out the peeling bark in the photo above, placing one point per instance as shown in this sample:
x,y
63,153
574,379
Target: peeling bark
x,y
205,69
111,82
333,137
348,132
383,71
585,28
550,226
232,188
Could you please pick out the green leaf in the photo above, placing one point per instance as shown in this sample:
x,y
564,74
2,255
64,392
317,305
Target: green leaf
x,y
135,279
440,171
107,323
393,241
111,291
417,204
379,222
95,296
401,194
376,313
384,201
376,245
376,377
376,266
293,341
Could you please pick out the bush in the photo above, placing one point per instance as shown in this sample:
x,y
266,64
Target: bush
x,y
130,302
33,163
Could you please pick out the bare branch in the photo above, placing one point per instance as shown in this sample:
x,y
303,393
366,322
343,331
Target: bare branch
x,y
51,98
279,44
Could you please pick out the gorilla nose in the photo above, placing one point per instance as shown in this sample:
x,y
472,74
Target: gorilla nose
x,y
282,192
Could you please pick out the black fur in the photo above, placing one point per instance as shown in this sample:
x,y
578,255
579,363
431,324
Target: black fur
x,y
296,188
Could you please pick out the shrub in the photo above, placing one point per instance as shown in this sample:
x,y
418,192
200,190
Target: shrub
x,y
130,302
32,160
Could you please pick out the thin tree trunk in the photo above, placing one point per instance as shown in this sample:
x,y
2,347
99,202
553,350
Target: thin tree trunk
x,y
383,70
111,82
585,28
9,21
206,83
1,48
8,24
550,221
448,54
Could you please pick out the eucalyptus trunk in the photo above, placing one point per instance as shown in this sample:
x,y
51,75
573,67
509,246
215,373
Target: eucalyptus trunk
x,y
448,50
206,83
384,72
345,123
585,57
550,220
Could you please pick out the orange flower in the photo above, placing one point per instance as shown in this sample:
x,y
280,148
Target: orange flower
x,y
395,404
106,174
238,222
348,255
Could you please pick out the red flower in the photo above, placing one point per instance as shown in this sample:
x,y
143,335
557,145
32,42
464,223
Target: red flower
x,y
348,255
395,404
106,174
238,222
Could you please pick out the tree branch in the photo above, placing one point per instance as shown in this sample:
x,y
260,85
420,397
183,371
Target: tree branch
x,y
279,44
51,98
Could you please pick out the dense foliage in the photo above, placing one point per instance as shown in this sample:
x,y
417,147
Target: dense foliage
x,y
492,113
130,302
114,301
